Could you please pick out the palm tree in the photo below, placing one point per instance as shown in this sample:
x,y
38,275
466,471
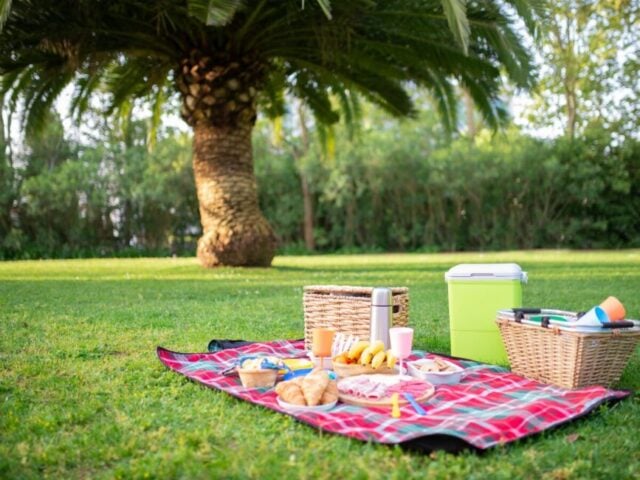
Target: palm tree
x,y
228,58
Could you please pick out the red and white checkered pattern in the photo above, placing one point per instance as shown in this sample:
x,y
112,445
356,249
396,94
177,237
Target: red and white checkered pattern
x,y
490,406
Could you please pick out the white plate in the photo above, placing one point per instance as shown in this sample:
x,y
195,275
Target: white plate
x,y
436,378
300,409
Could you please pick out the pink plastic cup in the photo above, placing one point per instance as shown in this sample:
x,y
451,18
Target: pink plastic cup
x,y
401,339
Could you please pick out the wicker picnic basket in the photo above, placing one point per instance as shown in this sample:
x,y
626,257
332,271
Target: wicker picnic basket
x,y
564,358
347,309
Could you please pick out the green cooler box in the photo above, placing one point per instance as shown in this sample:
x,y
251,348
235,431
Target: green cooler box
x,y
476,293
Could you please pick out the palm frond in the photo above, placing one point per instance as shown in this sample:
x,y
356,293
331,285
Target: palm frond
x,y
492,109
215,13
387,93
532,13
5,8
272,98
133,77
325,5
443,92
316,96
7,81
40,97
350,109
456,13
159,98
85,87
329,53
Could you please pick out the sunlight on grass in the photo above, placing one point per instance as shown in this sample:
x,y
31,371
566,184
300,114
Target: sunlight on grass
x,y
82,393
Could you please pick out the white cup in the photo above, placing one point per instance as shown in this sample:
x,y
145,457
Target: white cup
x,y
593,318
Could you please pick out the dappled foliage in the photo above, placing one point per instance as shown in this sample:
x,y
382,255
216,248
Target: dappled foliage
x,y
398,190
396,186
108,196
228,60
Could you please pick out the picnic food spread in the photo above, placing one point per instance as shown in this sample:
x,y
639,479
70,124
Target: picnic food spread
x,y
378,389
313,389
367,354
369,374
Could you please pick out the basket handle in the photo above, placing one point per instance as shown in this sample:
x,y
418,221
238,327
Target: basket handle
x,y
396,308
528,310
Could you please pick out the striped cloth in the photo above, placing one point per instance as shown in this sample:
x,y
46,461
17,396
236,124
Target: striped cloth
x,y
490,406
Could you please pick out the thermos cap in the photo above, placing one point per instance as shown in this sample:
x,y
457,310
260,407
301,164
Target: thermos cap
x,y
381,297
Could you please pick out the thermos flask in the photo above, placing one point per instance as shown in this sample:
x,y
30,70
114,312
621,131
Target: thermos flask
x,y
381,315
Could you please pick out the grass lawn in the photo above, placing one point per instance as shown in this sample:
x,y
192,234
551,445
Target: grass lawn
x,y
82,393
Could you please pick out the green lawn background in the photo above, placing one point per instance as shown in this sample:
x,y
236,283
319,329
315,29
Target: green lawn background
x,y
82,393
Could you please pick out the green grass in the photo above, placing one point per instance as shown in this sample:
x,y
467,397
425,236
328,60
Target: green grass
x,y
82,393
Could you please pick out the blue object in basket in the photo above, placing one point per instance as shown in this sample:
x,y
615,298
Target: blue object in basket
x,y
593,318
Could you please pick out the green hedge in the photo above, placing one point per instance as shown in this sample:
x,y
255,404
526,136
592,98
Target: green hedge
x,y
503,192
394,188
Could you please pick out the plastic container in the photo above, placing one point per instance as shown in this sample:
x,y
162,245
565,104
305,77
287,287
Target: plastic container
x,y
435,378
476,293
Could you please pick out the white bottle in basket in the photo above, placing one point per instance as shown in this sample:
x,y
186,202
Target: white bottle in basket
x,y
381,315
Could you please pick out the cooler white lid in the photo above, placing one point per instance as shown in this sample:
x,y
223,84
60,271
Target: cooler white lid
x,y
486,272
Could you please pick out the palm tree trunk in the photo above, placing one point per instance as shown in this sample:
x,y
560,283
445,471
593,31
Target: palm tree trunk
x,y
234,230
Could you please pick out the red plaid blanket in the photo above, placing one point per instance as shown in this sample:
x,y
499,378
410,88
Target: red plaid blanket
x,y
489,407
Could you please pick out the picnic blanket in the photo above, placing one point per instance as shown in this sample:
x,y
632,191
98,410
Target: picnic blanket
x,y
489,407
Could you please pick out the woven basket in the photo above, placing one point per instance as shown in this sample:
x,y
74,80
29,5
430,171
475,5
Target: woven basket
x,y
257,378
566,359
347,309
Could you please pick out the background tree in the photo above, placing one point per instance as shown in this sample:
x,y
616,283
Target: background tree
x,y
7,190
590,68
226,57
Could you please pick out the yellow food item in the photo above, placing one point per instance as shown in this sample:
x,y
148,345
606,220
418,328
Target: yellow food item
x,y
342,358
356,350
291,392
391,359
370,352
314,385
378,358
377,346
314,389
366,357
330,394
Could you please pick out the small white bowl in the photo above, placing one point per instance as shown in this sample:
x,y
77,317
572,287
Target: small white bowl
x,y
436,378
290,407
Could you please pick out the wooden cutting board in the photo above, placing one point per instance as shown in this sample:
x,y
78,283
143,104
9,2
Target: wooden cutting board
x,y
349,370
384,401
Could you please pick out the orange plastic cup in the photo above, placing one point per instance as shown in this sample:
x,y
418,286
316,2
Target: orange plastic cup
x,y
322,339
615,310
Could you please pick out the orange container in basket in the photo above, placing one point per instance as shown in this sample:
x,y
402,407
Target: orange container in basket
x,y
614,308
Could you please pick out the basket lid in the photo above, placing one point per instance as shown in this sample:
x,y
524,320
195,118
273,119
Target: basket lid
x,y
347,289
486,272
